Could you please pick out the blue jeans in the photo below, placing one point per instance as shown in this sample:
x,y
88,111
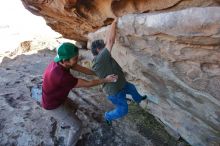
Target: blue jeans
x,y
119,100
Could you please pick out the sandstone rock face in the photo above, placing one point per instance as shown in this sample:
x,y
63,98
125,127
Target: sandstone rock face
x,y
174,57
23,122
75,18
171,52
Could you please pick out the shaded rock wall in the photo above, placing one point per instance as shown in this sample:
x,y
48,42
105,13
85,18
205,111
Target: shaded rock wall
x,y
174,56
74,19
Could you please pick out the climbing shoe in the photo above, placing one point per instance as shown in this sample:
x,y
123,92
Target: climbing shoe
x,y
109,123
144,97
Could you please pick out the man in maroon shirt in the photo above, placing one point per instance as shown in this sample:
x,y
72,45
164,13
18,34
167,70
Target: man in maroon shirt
x,y
57,82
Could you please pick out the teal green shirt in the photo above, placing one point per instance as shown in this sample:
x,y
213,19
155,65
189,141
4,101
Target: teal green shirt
x,y
103,65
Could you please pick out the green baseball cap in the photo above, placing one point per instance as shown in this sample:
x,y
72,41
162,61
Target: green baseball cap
x,y
66,51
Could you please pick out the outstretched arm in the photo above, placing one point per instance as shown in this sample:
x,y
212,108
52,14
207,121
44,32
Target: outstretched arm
x,y
110,37
85,83
82,69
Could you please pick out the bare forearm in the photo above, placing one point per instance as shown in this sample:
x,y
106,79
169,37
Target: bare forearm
x,y
112,32
96,82
88,72
83,70
85,83
110,38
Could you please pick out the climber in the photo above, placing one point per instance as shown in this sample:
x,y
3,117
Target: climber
x,y
57,82
104,64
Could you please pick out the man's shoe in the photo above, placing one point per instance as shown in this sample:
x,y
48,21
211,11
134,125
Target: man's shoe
x,y
109,123
144,97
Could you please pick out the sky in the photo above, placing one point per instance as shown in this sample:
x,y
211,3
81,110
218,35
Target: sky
x,y
18,24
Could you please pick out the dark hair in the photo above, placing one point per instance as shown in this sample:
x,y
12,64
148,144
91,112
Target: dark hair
x,y
97,44
64,60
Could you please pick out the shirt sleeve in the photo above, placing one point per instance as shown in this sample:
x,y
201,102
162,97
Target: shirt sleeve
x,y
104,55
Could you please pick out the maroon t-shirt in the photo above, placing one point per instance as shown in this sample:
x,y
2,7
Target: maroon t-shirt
x,y
57,82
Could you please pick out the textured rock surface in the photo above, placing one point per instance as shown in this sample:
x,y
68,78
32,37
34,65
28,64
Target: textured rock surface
x,y
24,123
172,53
174,56
75,18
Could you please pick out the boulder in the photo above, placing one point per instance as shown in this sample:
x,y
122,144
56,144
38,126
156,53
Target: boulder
x,y
174,57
